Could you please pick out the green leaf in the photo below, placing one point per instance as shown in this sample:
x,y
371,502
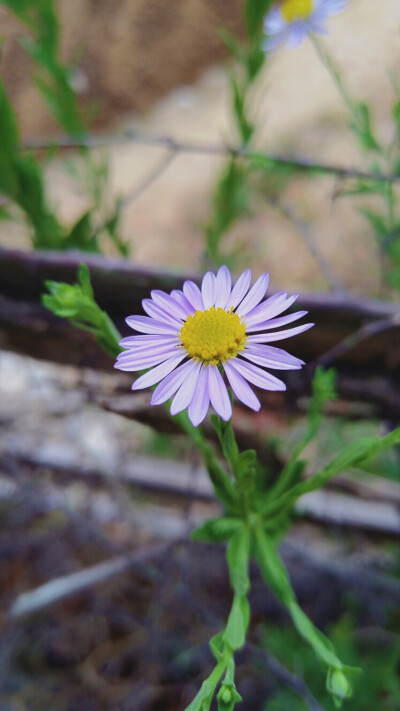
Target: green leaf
x,y
82,235
229,447
377,222
76,303
245,461
9,133
254,13
238,553
216,530
246,129
352,455
221,482
254,61
238,622
217,645
272,568
232,44
84,280
362,127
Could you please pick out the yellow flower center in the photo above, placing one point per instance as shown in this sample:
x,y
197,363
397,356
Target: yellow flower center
x,y
213,336
296,9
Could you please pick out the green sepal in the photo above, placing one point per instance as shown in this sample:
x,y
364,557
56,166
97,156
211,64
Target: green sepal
x,y
227,696
338,683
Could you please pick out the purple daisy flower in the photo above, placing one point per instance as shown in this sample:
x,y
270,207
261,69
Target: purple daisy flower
x,y
290,21
191,338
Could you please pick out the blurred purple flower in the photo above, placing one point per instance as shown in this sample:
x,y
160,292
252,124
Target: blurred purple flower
x,y
290,21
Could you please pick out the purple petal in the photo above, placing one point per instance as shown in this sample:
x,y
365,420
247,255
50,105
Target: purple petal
x,y
193,295
239,291
149,325
156,374
255,355
131,361
241,388
186,391
276,354
180,298
268,309
256,293
258,377
170,384
160,314
200,401
140,342
208,289
169,304
218,393
223,285
278,322
138,354
279,335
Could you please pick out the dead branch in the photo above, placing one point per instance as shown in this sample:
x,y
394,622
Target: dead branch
x,y
368,364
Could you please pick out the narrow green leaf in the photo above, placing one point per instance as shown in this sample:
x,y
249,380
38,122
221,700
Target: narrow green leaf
x,y
238,554
238,621
216,530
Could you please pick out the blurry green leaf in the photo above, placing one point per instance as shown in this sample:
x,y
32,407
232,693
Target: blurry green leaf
x,y
230,202
82,236
246,460
238,555
254,13
76,303
216,530
229,447
254,61
221,482
246,129
377,222
5,213
323,390
232,44
362,127
84,281
53,78
113,225
352,455
238,622
9,134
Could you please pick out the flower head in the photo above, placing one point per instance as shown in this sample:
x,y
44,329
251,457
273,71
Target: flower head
x,y
192,339
290,21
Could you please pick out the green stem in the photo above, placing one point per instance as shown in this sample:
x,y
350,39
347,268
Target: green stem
x,y
326,60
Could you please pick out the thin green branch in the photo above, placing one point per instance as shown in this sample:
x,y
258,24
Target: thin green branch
x,y
155,141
